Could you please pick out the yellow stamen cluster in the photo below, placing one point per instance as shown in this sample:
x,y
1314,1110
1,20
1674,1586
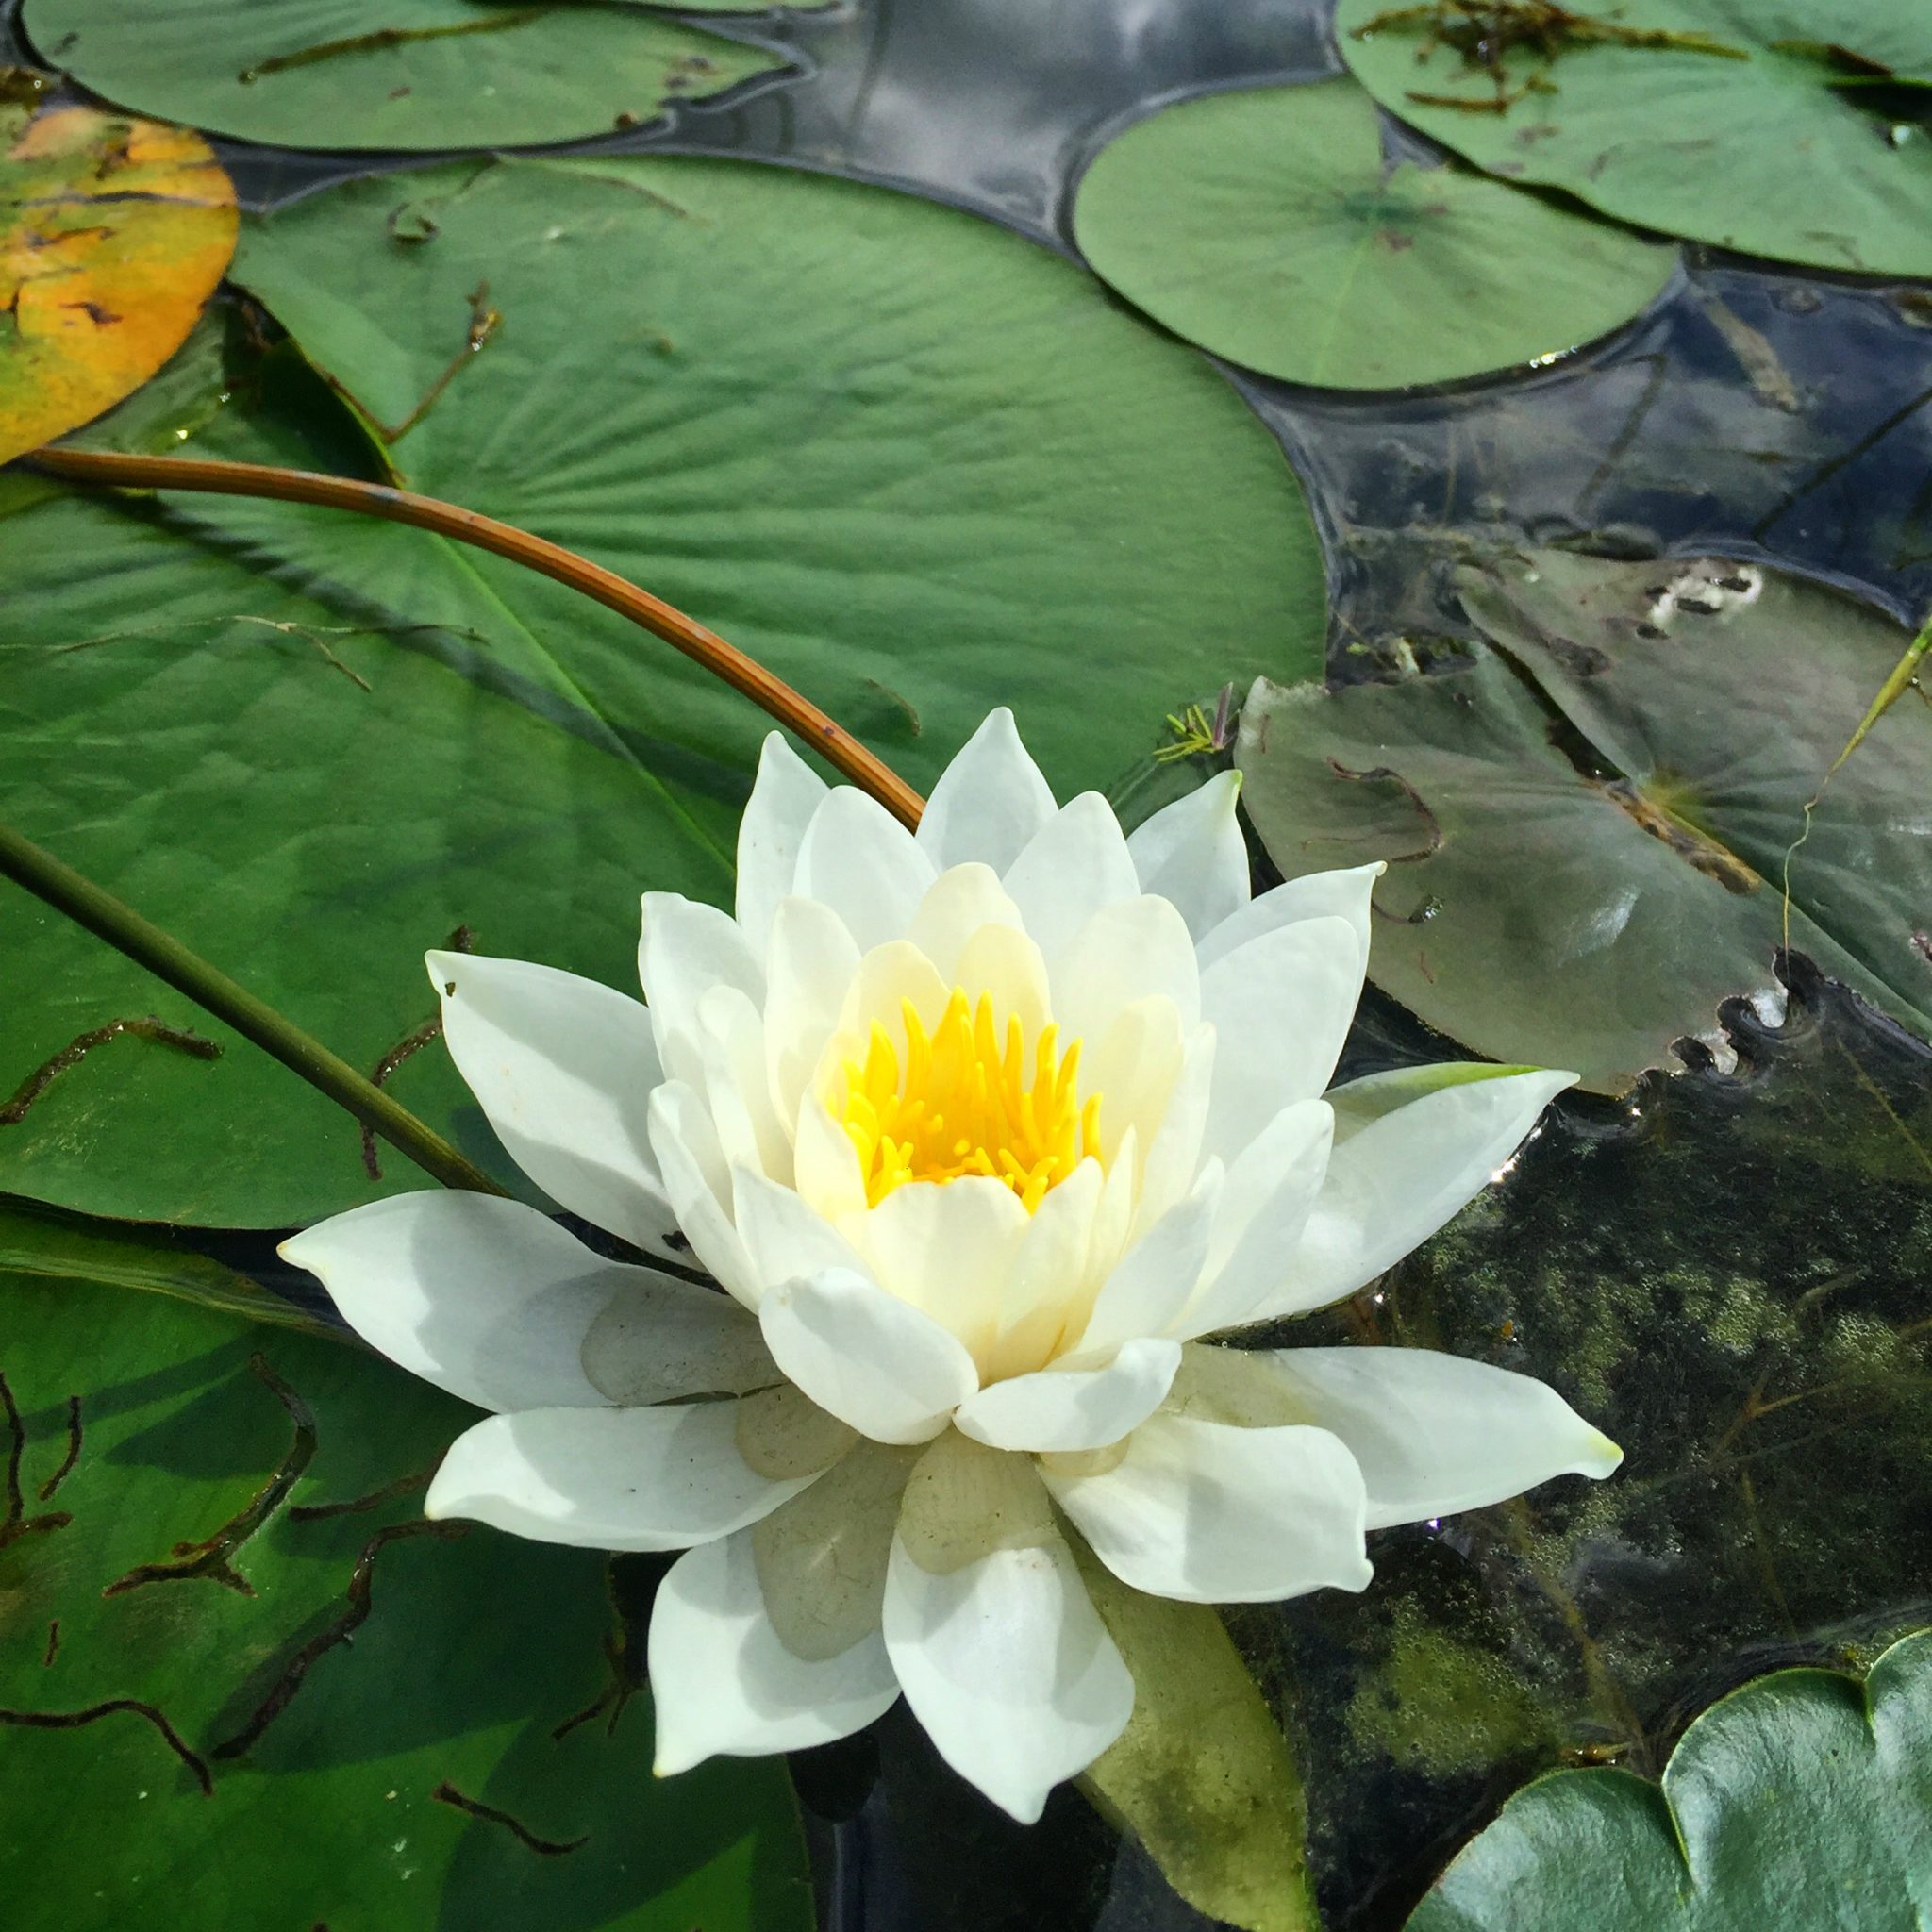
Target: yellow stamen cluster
x,y
966,1103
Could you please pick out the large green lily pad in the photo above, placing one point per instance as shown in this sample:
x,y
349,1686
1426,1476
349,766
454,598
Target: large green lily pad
x,y
1589,835
416,74
242,1683
1803,1799
892,503
1791,152
1267,226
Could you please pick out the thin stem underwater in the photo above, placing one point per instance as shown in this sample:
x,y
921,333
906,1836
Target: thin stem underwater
x,y
167,958
766,690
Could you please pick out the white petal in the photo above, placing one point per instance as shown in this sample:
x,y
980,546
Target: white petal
x,y
658,1478
1001,1653
730,1036
825,1163
1410,1149
678,1340
787,1236
960,902
1048,1288
1265,1205
485,1297
1154,1280
822,1558
890,977
788,792
859,861
1066,1409
1134,1066
1435,1433
866,1356
1280,1007
697,1179
1174,1142
1002,963
1315,896
989,802
1075,864
686,949
564,1068
949,1249
1210,1514
1193,853
1138,950
810,962
721,1682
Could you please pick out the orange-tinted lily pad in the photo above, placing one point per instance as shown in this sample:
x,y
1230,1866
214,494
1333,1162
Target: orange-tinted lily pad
x,y
113,234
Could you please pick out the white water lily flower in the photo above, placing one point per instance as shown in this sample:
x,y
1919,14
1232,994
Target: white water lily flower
x,y
986,1132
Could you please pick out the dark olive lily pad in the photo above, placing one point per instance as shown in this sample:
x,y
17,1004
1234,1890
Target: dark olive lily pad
x,y
1803,1799
1590,835
1267,226
413,74
1814,146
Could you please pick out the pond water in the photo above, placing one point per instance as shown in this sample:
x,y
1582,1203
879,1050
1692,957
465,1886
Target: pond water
x,y
1724,1269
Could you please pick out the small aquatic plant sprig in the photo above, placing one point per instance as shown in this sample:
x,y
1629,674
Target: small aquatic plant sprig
x,y
1487,32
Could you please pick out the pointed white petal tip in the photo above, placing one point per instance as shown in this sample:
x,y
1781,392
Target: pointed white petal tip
x,y
1604,1457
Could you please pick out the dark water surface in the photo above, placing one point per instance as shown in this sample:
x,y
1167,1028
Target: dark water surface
x,y
1726,1270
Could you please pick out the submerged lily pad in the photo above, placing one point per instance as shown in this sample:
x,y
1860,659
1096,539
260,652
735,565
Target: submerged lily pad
x,y
1267,226
416,74
1803,1799
113,233
890,503
243,1683
1589,838
1787,145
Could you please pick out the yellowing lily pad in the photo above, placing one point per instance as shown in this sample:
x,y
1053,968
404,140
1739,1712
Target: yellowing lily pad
x,y
1267,226
113,234
1599,831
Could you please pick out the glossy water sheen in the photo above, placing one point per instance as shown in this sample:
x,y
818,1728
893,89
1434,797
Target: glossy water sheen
x,y
1726,1272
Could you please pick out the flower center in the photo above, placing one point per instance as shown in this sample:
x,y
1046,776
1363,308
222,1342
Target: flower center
x,y
967,1102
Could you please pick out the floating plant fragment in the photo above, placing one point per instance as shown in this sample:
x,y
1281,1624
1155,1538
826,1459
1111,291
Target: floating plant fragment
x,y
1814,147
1590,826
1267,226
113,233
415,74
223,1604
1801,1800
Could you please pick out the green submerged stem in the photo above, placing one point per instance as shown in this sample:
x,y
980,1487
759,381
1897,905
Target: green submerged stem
x,y
167,958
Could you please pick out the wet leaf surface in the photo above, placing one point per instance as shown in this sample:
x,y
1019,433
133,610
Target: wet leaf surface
x,y
113,233
1589,826
422,74
1769,155
1267,226
1800,1800
242,1682
890,506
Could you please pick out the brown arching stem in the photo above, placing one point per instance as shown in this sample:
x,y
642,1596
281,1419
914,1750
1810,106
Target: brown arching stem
x,y
839,748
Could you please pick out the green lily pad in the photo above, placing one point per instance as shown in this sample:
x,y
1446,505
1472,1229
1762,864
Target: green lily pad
x,y
1803,1799
1773,154
1266,226
417,73
1589,838
892,502
242,1683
